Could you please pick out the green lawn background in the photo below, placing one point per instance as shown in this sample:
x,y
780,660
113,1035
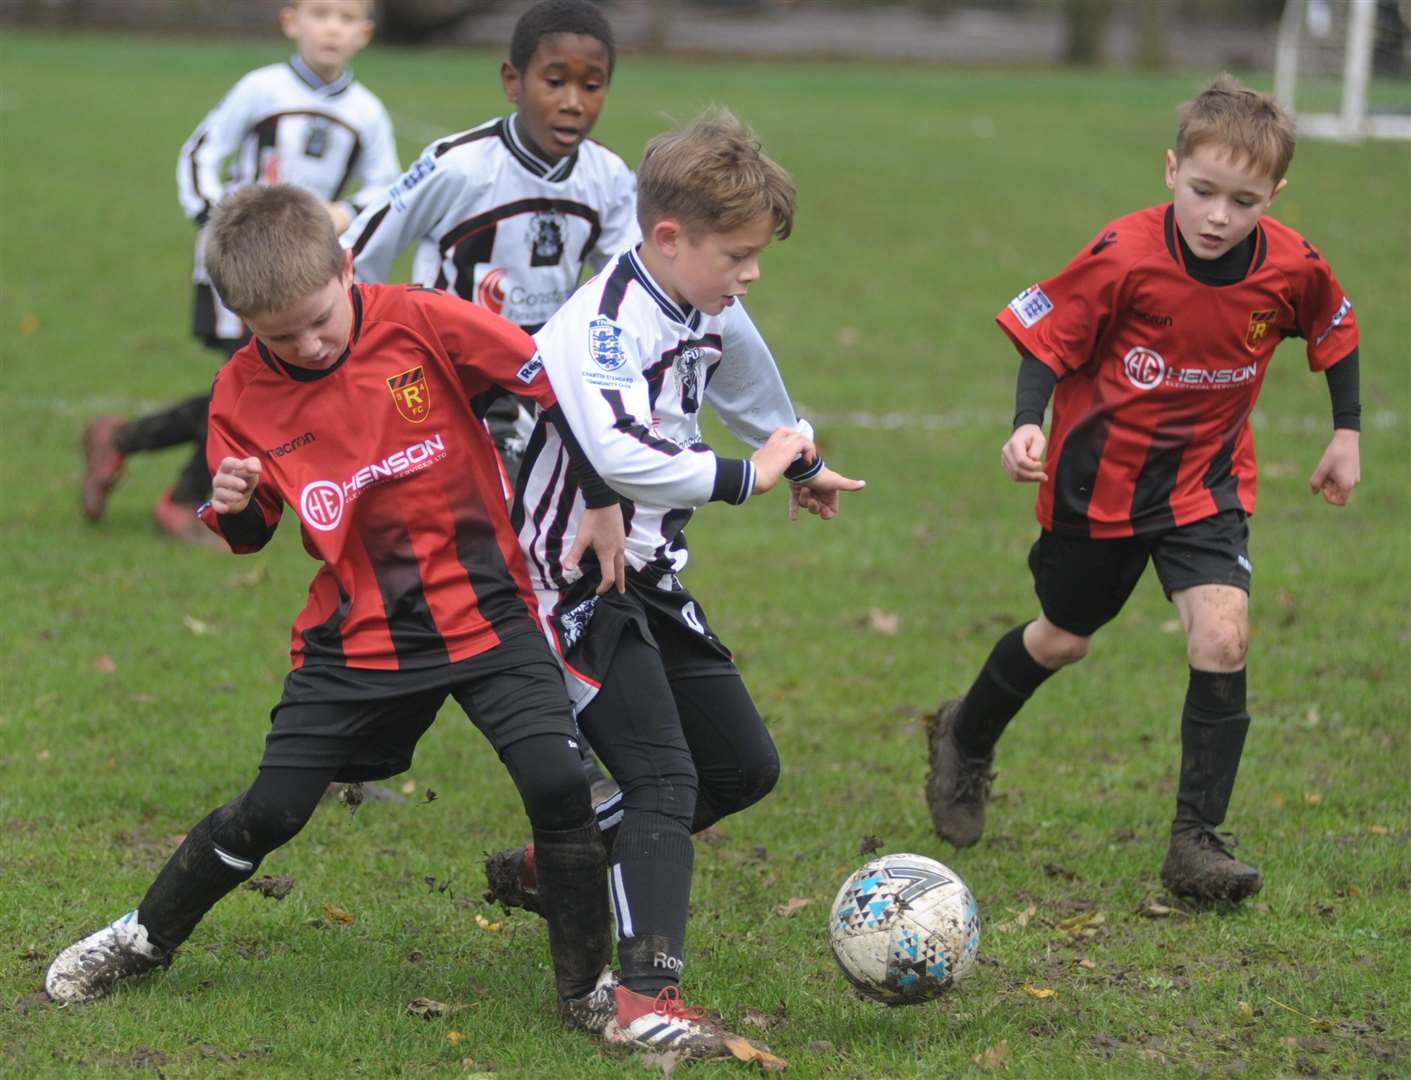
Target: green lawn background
x,y
137,675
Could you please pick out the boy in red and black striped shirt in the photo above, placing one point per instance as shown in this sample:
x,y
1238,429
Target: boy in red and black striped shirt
x,y
354,407
1153,343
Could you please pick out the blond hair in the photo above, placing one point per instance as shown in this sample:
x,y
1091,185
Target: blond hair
x,y
713,176
270,247
1252,126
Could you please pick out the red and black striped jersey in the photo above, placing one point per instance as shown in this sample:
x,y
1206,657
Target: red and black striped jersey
x,y
393,478
1158,372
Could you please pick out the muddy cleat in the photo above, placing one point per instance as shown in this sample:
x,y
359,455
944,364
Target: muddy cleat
x,y
1199,865
88,969
664,1023
102,465
511,879
958,785
179,521
593,1010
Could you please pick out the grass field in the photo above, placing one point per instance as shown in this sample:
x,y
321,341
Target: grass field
x,y
138,675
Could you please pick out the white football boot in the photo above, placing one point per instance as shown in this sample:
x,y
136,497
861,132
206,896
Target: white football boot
x,y
88,969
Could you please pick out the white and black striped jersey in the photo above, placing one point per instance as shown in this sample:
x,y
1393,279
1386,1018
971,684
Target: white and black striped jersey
x,y
498,225
631,369
283,124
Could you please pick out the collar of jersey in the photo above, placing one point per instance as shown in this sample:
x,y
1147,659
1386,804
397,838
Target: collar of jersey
x,y
310,79
303,374
1231,268
553,171
686,316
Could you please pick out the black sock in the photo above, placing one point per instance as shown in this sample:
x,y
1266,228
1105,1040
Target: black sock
x,y
1007,680
651,891
572,869
1214,723
188,886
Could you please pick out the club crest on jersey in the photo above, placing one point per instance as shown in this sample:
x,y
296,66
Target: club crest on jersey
x,y
1259,323
545,239
605,343
411,394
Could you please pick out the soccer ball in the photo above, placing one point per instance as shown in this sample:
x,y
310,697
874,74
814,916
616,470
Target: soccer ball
x,y
904,928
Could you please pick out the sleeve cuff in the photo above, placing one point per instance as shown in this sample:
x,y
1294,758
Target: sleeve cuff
x,y
801,470
734,480
245,532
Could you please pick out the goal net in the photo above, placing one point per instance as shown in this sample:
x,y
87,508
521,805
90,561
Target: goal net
x,y
1341,67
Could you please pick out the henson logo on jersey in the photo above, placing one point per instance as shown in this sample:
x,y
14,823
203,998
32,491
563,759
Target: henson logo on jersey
x,y
1146,369
321,502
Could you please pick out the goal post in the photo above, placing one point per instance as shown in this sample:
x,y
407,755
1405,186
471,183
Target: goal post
x,y
1322,39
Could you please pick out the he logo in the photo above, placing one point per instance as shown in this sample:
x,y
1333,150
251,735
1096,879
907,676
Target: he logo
x,y
1144,367
490,293
411,394
1259,322
321,505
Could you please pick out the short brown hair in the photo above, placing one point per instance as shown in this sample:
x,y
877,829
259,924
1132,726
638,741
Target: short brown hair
x,y
270,247
713,176
1253,126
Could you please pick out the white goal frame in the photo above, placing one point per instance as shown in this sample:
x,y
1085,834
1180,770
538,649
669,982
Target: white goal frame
x,y
1354,121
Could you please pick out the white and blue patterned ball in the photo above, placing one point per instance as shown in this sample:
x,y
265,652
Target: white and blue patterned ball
x,y
904,929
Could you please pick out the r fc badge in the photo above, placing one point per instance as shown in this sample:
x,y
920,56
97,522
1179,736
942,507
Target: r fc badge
x,y
412,395
1259,323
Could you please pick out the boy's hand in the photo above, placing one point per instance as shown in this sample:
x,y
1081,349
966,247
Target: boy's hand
x,y
234,483
771,459
602,530
1023,455
1340,469
819,495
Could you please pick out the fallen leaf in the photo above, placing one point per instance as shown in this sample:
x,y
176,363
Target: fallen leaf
x,y
1312,798
847,336
746,1051
28,324
43,755
1019,921
195,625
1277,802
1043,993
335,914
1078,923
1086,963
408,787
792,906
488,926
1151,908
104,665
426,1008
996,1057
1378,830
1171,626
275,886
454,1037
884,622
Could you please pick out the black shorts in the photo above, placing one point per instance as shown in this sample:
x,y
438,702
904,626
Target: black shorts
x,y
1083,583
665,615
366,723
